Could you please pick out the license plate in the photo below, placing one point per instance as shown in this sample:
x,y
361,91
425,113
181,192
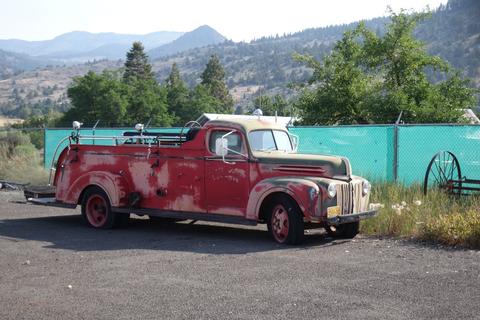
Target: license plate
x,y
333,211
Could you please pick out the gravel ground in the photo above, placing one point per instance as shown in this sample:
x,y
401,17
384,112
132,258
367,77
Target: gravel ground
x,y
53,267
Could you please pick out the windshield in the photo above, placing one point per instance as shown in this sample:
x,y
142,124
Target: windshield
x,y
269,140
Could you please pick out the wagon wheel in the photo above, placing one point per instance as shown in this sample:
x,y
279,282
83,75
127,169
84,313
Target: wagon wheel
x,y
443,172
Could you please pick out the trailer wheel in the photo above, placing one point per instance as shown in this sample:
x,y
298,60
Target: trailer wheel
x,y
344,231
444,173
285,221
96,209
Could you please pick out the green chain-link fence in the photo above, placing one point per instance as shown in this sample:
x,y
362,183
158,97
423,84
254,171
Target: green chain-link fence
x,y
378,152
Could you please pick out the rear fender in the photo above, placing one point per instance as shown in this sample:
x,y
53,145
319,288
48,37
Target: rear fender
x,y
303,191
114,185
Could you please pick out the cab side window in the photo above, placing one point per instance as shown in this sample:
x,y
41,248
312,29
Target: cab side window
x,y
234,141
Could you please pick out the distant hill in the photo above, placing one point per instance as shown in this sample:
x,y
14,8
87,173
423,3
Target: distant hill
x,y
80,44
13,63
200,37
263,66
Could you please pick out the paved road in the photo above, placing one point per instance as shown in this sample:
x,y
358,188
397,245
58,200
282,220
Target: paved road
x,y
53,267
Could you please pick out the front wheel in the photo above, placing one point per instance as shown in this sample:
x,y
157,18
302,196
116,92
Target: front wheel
x,y
344,231
97,211
285,221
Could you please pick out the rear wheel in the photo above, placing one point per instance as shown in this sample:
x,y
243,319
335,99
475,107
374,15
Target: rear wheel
x,y
285,221
97,211
344,231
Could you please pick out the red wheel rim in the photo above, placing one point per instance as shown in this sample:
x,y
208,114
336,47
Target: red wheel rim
x,y
96,210
279,223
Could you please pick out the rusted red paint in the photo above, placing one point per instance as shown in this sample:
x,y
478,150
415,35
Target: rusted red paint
x,y
191,178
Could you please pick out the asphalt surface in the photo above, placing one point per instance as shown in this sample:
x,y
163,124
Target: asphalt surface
x,y
54,267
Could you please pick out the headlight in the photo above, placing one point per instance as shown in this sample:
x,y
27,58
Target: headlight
x,y
365,187
332,190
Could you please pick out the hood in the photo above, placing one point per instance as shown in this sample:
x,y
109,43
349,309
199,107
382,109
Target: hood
x,y
318,165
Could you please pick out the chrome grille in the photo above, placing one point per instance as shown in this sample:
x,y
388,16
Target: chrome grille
x,y
349,197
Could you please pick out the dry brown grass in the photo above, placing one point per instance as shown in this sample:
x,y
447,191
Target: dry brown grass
x,y
437,217
20,161
4,122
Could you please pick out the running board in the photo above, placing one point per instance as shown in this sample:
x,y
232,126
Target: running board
x,y
50,202
188,215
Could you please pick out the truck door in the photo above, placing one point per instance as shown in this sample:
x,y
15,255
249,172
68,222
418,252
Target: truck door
x,y
226,184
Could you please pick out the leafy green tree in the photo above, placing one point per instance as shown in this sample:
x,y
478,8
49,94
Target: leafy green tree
x,y
97,97
370,79
213,78
270,105
203,102
147,101
178,100
137,66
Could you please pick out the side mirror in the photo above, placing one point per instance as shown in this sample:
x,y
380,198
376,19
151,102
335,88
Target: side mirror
x,y
221,147
295,141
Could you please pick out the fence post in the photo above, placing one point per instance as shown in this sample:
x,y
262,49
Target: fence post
x,y
395,147
44,147
395,152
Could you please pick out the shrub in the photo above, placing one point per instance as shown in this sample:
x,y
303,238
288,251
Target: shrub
x,y
20,161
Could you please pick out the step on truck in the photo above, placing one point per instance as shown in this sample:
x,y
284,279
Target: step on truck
x,y
237,171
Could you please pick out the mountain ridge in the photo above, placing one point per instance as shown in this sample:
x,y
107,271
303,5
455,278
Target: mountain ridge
x,y
81,42
199,37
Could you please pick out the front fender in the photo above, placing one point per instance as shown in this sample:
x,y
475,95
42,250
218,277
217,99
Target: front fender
x,y
303,191
114,185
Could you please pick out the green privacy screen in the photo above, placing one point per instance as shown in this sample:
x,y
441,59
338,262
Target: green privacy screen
x,y
418,144
370,149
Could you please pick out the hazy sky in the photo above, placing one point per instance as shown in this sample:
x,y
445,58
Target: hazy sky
x,y
237,20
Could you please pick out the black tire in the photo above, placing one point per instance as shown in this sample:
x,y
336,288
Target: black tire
x,y
121,219
97,211
285,221
344,231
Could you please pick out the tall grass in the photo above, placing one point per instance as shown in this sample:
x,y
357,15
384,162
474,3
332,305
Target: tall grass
x,y
20,161
405,212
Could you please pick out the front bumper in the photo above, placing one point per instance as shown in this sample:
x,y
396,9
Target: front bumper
x,y
348,218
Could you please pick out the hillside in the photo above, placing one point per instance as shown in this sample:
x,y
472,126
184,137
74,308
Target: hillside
x,y
453,33
38,91
13,63
261,66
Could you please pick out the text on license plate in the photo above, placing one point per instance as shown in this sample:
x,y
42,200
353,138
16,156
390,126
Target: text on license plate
x,y
333,211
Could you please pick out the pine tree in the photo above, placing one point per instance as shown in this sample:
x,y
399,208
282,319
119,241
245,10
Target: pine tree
x,y
178,97
213,78
137,65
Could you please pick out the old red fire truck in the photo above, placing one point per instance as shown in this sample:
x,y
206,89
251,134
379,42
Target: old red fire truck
x,y
240,171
